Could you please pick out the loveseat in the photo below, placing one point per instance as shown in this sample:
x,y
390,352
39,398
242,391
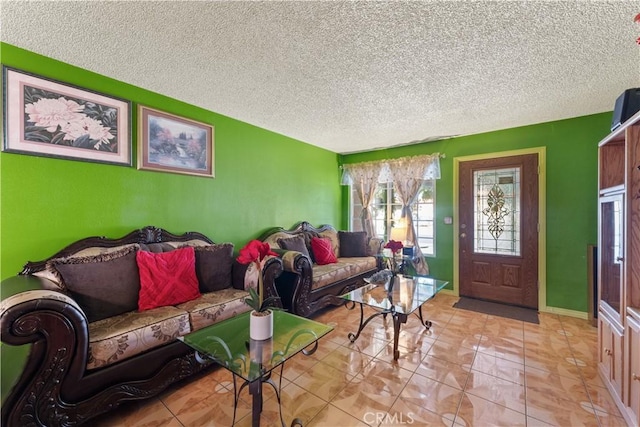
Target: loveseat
x,y
102,317
320,264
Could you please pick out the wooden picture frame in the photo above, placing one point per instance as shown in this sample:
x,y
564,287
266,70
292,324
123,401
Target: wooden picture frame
x,y
170,143
45,117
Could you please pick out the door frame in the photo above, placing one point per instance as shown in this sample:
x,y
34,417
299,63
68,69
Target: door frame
x,y
542,219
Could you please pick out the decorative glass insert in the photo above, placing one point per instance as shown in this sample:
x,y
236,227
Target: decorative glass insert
x,y
497,211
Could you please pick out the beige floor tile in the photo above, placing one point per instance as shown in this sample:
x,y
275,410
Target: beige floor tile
x,y
404,413
296,403
591,375
602,402
503,347
558,400
331,416
498,367
139,414
298,365
216,409
361,401
563,363
516,373
432,395
532,422
475,411
408,359
496,390
561,414
452,353
442,371
323,381
347,360
607,420
505,328
460,339
562,368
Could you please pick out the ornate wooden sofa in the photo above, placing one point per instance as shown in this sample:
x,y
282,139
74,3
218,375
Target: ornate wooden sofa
x,y
78,369
306,286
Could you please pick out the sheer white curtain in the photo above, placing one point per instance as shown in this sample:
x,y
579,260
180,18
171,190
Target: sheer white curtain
x,y
364,177
408,174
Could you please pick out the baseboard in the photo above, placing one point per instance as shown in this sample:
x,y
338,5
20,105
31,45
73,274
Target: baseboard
x,y
566,312
448,292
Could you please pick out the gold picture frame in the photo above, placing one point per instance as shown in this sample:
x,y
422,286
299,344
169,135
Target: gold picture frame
x,y
170,143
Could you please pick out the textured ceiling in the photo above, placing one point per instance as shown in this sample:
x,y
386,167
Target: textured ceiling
x,y
352,76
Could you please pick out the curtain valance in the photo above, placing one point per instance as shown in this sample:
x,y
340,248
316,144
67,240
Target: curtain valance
x,y
380,171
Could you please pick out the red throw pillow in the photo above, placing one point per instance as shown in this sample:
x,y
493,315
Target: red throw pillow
x,y
167,278
322,251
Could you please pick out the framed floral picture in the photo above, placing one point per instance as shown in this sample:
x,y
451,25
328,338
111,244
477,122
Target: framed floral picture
x,y
169,143
49,118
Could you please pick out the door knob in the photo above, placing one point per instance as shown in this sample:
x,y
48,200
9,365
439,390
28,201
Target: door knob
x,y
635,377
463,235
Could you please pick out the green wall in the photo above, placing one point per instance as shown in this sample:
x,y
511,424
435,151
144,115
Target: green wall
x,y
571,150
262,179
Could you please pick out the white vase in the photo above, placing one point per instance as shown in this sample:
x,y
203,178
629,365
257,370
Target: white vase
x,y
261,325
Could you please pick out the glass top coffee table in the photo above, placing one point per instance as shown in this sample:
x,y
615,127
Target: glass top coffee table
x,y
400,300
228,344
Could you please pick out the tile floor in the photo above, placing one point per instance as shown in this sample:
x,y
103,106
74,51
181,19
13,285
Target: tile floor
x,y
470,369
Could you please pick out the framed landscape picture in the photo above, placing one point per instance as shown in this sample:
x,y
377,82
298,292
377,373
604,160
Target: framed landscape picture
x,y
170,143
45,117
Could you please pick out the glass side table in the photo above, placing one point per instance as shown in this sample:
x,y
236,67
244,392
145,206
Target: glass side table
x,y
227,343
404,297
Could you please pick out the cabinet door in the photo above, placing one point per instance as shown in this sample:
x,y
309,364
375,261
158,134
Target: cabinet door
x,y
633,375
617,361
606,347
611,354
611,255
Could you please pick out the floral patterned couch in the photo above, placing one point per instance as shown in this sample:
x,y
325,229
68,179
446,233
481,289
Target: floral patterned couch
x,y
92,350
308,284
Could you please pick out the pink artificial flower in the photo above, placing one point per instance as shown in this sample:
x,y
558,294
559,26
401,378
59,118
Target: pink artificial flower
x,y
637,19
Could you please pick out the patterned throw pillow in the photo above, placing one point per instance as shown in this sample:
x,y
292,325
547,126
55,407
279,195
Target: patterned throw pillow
x,y
103,285
167,278
353,243
322,251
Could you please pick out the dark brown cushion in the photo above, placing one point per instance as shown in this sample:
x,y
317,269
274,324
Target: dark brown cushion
x,y
295,243
103,285
213,266
353,243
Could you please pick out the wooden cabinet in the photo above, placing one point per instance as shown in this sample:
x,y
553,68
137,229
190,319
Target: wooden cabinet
x,y
619,266
632,333
611,354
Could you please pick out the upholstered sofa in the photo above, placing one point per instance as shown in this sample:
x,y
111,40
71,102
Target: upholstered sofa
x,y
95,342
308,283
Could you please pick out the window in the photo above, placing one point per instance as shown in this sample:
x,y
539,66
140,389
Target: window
x,y
386,208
